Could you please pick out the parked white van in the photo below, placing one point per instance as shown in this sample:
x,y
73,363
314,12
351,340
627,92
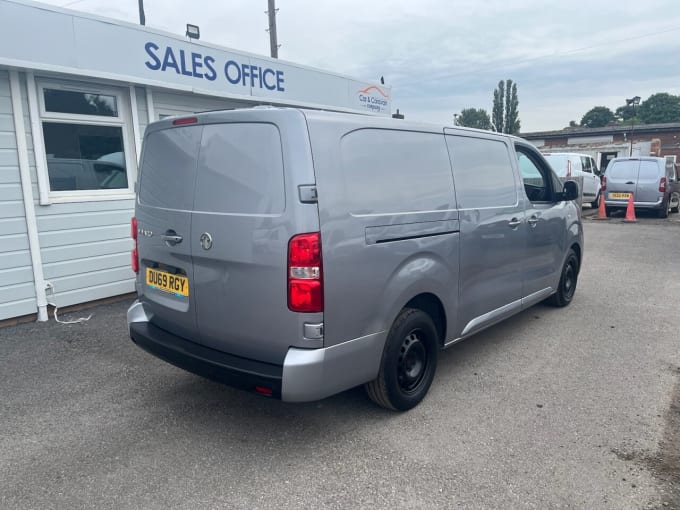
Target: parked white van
x,y
570,165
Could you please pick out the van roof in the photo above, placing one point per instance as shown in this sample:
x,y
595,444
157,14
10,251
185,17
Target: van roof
x,y
366,120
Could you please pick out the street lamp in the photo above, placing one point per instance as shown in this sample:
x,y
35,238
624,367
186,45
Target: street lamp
x,y
455,119
632,102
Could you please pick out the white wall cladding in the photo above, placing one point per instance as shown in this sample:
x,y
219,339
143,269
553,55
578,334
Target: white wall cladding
x,y
178,103
85,246
17,290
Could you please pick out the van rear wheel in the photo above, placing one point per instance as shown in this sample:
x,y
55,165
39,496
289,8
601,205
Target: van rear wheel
x,y
408,362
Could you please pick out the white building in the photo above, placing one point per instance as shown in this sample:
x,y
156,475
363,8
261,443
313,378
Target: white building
x,y
76,94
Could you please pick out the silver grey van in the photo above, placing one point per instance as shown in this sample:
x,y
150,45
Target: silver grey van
x,y
653,185
297,254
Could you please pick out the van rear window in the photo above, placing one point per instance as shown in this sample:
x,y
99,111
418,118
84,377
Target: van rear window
x,y
623,170
650,171
240,170
168,168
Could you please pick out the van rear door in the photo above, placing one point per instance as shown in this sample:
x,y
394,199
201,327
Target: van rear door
x,y
648,181
165,200
242,224
622,176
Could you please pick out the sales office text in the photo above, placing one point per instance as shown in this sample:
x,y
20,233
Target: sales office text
x,y
204,67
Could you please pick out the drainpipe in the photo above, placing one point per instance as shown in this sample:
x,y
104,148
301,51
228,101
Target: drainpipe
x,y
27,191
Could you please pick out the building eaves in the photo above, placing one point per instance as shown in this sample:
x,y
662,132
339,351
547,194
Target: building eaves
x,y
607,130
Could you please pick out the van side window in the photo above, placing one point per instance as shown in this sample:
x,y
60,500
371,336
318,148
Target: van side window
x,y
585,162
536,177
482,172
392,171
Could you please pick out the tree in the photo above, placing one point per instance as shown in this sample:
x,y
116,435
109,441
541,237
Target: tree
x,y
497,111
596,117
660,107
474,118
505,113
572,123
625,113
511,123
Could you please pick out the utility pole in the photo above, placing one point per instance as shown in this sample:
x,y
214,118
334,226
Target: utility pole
x,y
142,17
273,42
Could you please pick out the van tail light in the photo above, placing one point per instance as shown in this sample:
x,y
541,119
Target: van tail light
x,y
568,169
305,273
603,179
662,185
135,251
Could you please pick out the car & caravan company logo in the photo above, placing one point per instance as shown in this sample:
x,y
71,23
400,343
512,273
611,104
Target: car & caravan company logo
x,y
374,98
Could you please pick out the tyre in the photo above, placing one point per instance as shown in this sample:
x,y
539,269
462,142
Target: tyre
x,y
408,362
568,280
596,203
676,207
608,211
663,212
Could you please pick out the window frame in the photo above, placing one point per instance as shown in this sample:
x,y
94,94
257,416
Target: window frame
x,y
543,168
122,121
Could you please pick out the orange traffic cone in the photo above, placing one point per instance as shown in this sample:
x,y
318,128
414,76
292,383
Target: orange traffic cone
x,y
630,211
602,210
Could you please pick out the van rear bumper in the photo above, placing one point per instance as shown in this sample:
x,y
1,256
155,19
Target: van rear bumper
x,y
639,205
221,367
306,374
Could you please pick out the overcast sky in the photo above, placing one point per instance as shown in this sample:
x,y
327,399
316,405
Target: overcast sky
x,y
442,56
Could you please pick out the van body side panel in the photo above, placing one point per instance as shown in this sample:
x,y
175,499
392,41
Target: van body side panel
x,y
492,230
389,226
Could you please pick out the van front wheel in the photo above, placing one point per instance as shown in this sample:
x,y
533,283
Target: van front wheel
x,y
568,280
408,363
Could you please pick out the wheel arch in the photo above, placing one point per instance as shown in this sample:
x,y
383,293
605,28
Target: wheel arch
x,y
432,306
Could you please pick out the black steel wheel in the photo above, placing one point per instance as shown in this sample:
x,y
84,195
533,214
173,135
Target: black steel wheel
x,y
596,203
408,363
568,281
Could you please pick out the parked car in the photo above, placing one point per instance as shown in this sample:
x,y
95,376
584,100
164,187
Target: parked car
x,y
301,253
568,165
653,185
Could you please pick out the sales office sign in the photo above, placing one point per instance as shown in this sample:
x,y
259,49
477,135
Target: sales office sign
x,y
202,66
263,80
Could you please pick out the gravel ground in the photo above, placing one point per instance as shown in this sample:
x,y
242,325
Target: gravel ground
x,y
570,408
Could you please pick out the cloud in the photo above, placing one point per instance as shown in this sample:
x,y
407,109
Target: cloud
x,y
442,56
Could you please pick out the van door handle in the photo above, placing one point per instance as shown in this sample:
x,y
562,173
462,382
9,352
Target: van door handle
x,y
532,221
170,238
630,182
514,223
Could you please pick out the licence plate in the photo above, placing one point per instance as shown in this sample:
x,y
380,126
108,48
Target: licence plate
x,y
172,283
619,195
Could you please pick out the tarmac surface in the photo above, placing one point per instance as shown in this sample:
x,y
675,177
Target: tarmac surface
x,y
554,408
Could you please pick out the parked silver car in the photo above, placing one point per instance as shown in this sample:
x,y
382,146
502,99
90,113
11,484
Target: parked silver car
x,y
301,253
653,185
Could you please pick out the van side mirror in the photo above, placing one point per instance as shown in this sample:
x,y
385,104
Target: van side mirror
x,y
569,192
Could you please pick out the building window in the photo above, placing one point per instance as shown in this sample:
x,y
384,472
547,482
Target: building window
x,y
86,143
